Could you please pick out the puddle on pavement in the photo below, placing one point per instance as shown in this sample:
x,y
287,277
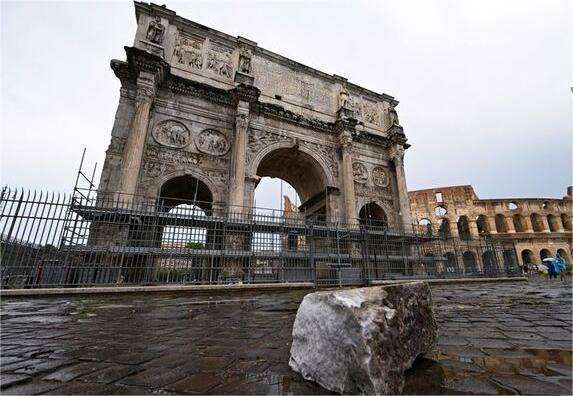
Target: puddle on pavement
x,y
499,371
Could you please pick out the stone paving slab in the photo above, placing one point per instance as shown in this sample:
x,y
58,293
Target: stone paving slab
x,y
495,338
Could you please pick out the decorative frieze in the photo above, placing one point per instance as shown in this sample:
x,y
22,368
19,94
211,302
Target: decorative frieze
x,y
380,177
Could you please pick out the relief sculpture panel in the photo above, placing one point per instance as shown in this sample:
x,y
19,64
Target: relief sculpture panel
x,y
188,51
219,61
171,133
211,141
359,172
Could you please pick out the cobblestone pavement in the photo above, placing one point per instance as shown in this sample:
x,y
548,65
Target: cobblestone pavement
x,y
504,338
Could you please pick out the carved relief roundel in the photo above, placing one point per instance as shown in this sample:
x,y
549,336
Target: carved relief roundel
x,y
359,172
211,141
171,134
380,177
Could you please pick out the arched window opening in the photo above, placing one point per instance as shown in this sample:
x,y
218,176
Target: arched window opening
x,y
374,215
545,253
512,206
464,228
527,256
566,220
500,223
545,205
451,264
482,224
519,223
470,263
553,222
537,223
489,263
445,230
425,226
440,210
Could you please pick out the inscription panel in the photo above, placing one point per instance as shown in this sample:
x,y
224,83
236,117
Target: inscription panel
x,y
275,79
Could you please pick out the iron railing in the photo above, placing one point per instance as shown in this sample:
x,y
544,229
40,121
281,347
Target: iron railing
x,y
51,240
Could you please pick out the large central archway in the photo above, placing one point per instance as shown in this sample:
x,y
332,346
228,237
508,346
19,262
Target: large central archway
x,y
304,173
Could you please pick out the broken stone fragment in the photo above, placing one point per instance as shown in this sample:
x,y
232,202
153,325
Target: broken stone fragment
x,y
363,340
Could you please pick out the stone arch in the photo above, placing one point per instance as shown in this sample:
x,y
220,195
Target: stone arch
x,y
553,222
185,189
482,224
216,192
452,267
373,214
464,228
537,223
470,262
489,263
500,223
445,231
527,257
566,220
253,166
545,253
519,223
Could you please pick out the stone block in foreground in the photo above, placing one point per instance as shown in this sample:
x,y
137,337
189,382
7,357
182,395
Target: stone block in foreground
x,y
363,340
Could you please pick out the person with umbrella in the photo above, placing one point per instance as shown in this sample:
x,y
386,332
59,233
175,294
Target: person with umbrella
x,y
549,262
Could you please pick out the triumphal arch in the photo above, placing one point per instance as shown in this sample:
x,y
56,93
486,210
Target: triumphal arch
x,y
203,115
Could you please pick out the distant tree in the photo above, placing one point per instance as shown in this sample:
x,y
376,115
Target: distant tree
x,y
194,245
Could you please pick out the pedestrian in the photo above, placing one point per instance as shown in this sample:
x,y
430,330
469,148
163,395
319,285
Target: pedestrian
x,y
551,268
560,267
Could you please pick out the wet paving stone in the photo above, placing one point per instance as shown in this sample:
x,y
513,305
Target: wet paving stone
x,y
496,338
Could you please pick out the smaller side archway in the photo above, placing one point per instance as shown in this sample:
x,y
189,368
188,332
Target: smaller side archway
x,y
373,214
451,264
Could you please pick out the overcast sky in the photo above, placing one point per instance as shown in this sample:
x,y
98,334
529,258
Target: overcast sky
x,y
484,87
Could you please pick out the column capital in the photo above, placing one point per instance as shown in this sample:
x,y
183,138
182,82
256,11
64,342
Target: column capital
x,y
142,61
146,87
397,154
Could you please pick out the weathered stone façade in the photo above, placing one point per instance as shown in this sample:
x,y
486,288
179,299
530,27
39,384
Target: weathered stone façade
x,y
203,115
539,227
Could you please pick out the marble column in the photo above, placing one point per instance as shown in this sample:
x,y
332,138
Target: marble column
x,y
397,155
135,144
237,191
348,177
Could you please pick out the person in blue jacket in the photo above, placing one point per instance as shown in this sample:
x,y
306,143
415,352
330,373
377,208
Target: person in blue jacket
x,y
560,267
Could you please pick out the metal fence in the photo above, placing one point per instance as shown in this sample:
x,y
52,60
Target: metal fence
x,y
51,240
